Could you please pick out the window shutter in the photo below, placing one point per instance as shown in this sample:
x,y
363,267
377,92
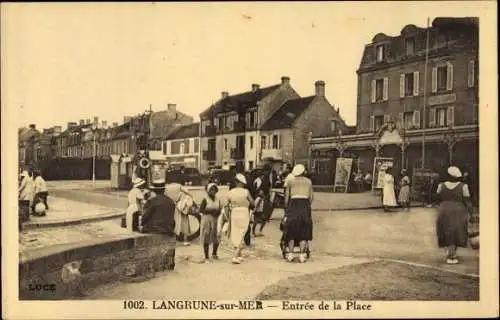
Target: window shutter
x,y
470,80
402,85
432,118
387,118
416,87
434,80
386,89
450,116
374,91
416,119
372,123
401,120
449,76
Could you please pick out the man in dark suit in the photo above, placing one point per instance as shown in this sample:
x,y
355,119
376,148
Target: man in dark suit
x,y
159,212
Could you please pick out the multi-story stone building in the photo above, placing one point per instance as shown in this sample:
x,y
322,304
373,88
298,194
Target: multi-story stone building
x,y
437,114
27,151
182,146
285,136
230,127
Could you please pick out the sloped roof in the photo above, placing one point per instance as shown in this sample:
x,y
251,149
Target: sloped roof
x,y
287,114
187,131
239,101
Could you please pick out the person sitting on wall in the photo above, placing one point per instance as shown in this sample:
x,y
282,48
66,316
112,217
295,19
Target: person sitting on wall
x,y
158,217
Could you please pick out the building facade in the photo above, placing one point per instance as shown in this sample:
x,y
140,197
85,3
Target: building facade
x,y
230,128
419,121
182,146
286,135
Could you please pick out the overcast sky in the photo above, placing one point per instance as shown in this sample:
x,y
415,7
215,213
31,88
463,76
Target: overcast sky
x,y
65,62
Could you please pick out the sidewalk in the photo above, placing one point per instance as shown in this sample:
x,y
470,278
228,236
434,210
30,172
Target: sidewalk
x,y
64,211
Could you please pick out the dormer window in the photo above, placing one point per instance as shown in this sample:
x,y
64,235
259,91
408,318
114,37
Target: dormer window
x,y
380,52
410,46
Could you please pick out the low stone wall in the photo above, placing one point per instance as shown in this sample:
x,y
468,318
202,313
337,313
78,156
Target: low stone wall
x,y
69,273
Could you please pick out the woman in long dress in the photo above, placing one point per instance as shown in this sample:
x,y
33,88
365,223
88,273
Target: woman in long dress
x,y
135,201
26,195
388,194
176,192
298,225
239,200
404,191
454,213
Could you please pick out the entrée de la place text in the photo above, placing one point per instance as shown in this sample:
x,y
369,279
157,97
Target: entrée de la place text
x,y
327,305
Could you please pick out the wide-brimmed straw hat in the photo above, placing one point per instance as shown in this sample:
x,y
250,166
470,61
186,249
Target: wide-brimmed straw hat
x,y
138,182
454,172
157,184
241,178
298,170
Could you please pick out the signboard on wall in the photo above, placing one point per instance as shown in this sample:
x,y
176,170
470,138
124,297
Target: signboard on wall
x,y
342,174
379,166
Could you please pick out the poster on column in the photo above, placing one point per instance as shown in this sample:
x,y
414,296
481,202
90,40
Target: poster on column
x,y
379,166
342,173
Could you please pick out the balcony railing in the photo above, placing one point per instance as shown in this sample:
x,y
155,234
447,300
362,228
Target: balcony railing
x,y
276,154
237,153
208,155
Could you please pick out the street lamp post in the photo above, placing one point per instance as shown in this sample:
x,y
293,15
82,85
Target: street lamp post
x,y
376,147
94,131
403,146
451,140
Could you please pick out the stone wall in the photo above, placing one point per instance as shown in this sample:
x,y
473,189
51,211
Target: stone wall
x,y
68,274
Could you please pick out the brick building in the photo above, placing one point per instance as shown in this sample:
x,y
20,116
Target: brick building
x,y
285,136
230,127
182,146
393,118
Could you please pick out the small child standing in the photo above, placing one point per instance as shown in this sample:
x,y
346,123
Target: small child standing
x,y
258,214
210,209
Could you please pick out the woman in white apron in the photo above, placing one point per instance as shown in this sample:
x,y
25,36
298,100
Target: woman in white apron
x,y
183,202
389,196
135,201
239,200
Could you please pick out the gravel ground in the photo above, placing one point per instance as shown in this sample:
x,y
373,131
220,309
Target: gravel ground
x,y
379,280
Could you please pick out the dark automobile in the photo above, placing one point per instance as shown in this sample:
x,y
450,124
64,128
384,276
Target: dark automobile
x,y
184,176
221,176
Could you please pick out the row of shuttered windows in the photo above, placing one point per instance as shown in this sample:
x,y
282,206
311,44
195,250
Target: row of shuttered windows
x,y
437,117
227,122
409,83
187,146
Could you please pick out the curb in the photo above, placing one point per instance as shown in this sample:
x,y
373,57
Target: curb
x,y
51,224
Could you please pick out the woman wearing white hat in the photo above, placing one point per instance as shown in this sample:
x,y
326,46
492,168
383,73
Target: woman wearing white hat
x,y
298,224
453,214
135,199
239,200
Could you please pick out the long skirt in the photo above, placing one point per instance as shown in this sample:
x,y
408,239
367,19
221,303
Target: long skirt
x,y
208,229
182,225
131,217
389,196
404,195
452,224
240,219
298,224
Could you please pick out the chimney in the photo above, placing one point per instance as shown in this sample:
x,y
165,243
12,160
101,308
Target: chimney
x,y
96,120
285,80
82,122
72,124
224,94
255,87
320,88
104,124
115,124
171,107
33,126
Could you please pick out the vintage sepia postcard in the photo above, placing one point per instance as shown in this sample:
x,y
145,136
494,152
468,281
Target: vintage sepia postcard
x,y
236,160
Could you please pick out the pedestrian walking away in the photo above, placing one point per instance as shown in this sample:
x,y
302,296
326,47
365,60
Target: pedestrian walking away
x,y
210,210
388,193
454,213
298,225
239,200
258,214
404,191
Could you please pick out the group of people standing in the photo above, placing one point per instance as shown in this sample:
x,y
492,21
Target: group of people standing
x,y
389,200
33,194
